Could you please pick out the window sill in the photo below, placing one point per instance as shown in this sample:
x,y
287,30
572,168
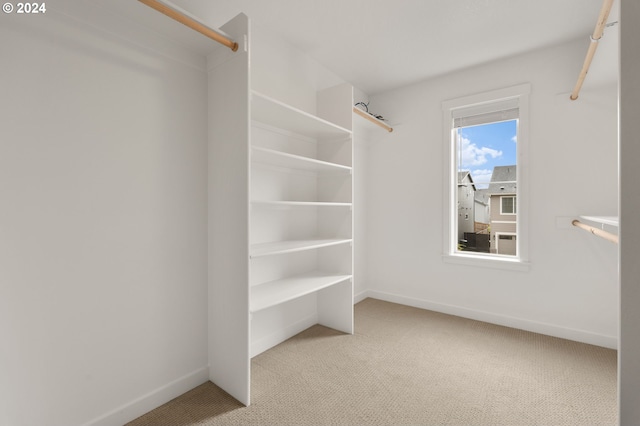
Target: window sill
x,y
494,262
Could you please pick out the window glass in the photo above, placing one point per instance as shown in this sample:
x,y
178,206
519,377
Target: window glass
x,y
508,205
486,163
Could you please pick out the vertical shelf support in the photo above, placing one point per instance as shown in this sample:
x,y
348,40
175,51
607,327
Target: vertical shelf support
x,y
228,217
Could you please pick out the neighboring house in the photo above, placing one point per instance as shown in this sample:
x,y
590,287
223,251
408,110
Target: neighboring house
x,y
502,191
482,211
466,203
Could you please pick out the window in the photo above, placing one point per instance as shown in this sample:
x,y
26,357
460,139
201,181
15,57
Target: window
x,y
486,137
507,205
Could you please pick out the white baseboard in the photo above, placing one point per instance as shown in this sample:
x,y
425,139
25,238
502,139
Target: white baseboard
x,y
360,296
151,400
504,320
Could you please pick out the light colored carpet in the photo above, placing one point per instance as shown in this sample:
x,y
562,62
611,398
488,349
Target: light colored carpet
x,y
414,367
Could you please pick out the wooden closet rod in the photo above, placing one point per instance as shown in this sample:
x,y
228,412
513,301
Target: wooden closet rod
x,y
595,38
595,231
191,23
372,119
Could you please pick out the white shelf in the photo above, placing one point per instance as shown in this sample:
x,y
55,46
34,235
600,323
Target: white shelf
x,y
295,162
273,293
269,203
605,220
275,113
283,247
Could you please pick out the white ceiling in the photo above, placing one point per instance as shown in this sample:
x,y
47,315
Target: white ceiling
x,y
378,45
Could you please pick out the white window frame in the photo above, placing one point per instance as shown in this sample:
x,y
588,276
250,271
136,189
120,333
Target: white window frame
x,y
519,262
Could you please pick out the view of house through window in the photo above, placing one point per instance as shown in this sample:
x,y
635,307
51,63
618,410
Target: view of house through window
x,y
486,197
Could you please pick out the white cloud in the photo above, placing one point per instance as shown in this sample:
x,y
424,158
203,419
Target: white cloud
x,y
515,138
472,155
481,175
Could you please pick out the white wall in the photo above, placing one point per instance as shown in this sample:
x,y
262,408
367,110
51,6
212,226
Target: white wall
x,y
570,289
103,273
285,73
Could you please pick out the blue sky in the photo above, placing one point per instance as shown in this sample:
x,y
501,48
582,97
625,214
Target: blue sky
x,y
486,146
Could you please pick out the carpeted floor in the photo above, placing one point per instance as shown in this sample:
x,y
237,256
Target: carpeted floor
x,y
408,366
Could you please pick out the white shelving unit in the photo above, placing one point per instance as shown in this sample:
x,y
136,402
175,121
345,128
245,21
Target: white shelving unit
x,y
284,247
280,115
281,214
270,203
296,162
275,292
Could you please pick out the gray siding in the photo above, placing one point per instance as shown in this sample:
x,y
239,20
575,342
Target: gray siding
x,y
502,223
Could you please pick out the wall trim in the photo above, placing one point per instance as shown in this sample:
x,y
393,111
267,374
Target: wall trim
x,y
359,297
152,400
582,336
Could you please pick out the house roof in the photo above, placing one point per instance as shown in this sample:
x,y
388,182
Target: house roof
x,y
503,180
462,175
